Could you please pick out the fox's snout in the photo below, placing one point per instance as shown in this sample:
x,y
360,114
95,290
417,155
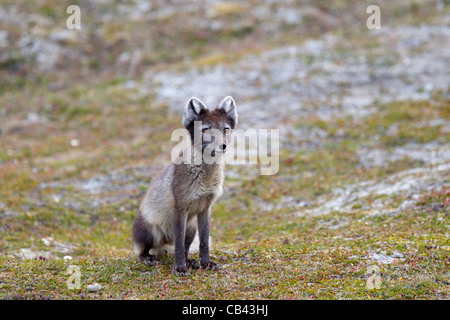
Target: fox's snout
x,y
221,148
215,140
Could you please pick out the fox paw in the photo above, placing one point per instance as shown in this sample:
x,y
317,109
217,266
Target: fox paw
x,y
150,260
180,271
192,264
210,265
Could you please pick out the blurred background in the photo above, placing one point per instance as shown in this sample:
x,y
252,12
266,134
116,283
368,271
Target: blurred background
x,y
86,115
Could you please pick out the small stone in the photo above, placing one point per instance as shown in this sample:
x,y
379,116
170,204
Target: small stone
x,y
74,142
47,241
94,287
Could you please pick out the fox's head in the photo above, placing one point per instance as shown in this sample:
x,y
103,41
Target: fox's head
x,y
210,129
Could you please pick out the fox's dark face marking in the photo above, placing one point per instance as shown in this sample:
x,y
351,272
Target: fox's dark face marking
x,y
211,125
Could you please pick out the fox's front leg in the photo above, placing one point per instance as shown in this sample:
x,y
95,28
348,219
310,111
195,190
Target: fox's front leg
x,y
179,234
204,220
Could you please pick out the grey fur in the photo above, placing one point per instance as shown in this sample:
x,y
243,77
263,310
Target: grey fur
x,y
179,199
229,106
192,110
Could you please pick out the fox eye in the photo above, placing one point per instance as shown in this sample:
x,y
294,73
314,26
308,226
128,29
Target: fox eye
x,y
205,130
226,130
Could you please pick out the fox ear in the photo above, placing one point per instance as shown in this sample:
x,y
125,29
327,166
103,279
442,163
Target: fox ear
x,y
229,106
192,111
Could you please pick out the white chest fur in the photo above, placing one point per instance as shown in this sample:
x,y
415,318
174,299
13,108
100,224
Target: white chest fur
x,y
206,182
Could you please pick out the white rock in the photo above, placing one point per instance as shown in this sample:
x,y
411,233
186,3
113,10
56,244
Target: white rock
x,y
47,241
74,142
94,287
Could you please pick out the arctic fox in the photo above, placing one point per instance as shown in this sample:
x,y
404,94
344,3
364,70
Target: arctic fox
x,y
179,199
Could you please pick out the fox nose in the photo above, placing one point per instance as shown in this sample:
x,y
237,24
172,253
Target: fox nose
x,y
223,146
